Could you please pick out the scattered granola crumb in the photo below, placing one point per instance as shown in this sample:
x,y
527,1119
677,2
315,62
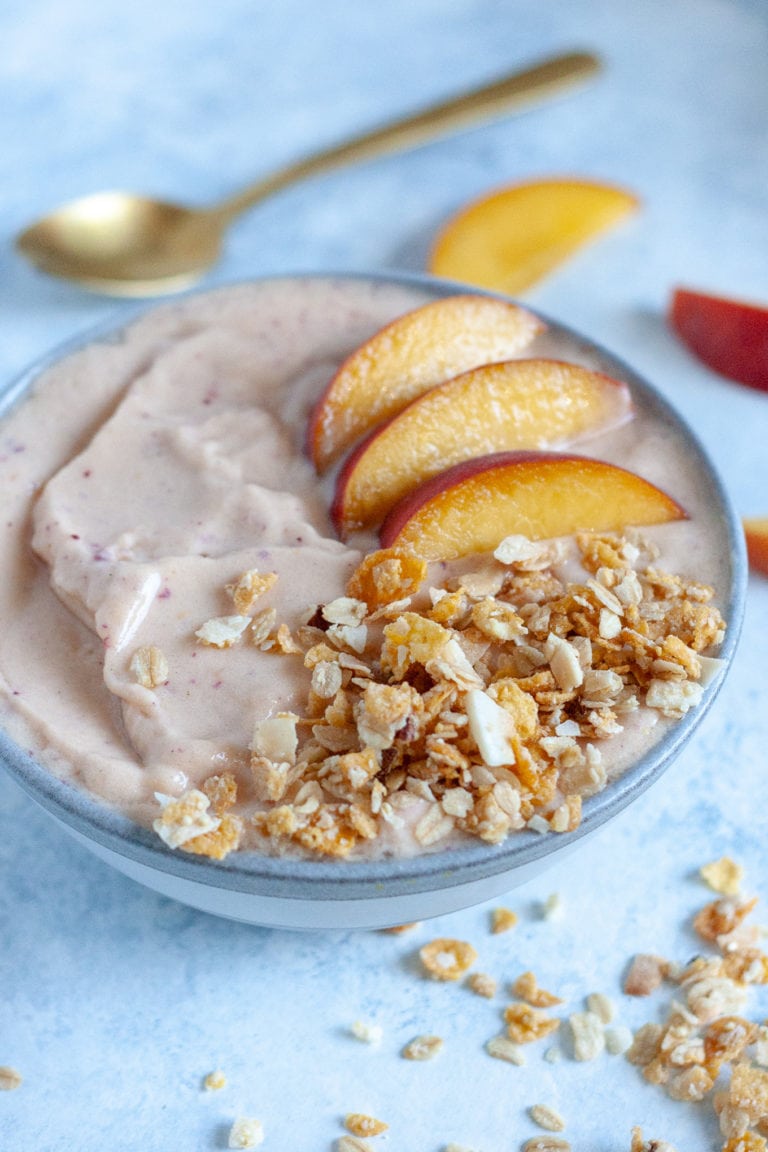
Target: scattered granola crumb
x,y
645,974
723,876
704,1032
618,1039
588,1035
552,908
546,1144
722,917
457,1148
366,1032
214,1081
361,1125
352,1144
502,919
526,1024
641,1145
546,1118
245,1133
553,1055
602,1006
422,1048
399,929
10,1079
149,667
526,988
447,959
482,984
502,1048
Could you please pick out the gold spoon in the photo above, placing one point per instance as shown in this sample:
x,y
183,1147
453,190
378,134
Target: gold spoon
x,y
121,244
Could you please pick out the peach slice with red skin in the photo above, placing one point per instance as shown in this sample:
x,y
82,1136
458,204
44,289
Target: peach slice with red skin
x,y
512,405
405,358
729,336
474,505
756,534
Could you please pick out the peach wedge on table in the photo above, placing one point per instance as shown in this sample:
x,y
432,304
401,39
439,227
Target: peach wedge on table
x,y
408,356
474,505
510,405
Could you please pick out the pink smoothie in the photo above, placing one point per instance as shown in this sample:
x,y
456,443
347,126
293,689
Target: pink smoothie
x,y
143,475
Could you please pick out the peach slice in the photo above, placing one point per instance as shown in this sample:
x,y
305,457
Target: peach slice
x,y
756,533
727,335
408,356
513,404
476,504
512,238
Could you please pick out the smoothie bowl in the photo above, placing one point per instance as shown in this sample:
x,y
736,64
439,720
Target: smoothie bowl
x,y
349,601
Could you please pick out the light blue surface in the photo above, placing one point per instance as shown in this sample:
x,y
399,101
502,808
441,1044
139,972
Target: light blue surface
x,y
115,1003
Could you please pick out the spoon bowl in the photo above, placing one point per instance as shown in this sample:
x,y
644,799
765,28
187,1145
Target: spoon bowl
x,y
122,244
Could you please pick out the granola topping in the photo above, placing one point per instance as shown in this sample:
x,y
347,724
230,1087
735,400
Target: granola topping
x,y
475,709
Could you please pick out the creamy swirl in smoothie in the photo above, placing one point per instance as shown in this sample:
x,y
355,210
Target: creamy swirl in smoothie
x,y
157,490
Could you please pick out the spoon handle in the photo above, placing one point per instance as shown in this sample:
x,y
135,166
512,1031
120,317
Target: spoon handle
x,y
501,96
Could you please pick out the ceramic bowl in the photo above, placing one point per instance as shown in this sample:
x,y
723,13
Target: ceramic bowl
x,y
324,894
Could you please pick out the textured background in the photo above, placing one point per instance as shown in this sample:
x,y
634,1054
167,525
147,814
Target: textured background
x,y
114,1003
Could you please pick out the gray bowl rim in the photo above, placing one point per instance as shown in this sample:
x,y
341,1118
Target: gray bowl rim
x,y
299,878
